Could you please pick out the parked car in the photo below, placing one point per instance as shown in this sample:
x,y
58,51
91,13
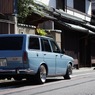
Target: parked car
x,y
32,56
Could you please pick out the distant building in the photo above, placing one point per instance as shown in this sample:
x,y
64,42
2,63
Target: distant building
x,y
93,12
93,5
8,20
71,17
77,40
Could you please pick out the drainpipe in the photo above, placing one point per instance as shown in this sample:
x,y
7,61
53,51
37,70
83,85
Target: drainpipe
x,y
15,25
65,6
8,28
14,19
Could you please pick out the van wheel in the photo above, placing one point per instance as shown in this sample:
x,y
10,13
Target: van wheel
x,y
41,75
69,69
68,72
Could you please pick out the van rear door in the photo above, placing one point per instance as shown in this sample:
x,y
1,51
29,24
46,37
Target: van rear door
x,y
11,52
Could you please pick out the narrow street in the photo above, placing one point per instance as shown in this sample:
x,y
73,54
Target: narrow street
x,y
32,34
81,83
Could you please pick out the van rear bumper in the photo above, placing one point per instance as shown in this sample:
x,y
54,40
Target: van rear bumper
x,y
17,71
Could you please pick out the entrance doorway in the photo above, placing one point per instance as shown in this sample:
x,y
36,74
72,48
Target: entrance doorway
x,y
84,52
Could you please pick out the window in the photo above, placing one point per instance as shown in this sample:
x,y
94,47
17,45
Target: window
x,y
11,43
79,5
60,4
34,43
55,47
45,45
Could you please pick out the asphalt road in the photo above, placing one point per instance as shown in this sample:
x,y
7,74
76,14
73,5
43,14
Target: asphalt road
x,y
81,83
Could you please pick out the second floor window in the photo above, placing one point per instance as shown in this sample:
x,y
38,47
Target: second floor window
x,y
79,5
60,4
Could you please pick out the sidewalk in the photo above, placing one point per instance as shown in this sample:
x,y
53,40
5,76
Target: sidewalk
x,y
84,69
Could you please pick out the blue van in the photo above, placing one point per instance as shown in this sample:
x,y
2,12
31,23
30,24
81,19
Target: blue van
x,y
32,57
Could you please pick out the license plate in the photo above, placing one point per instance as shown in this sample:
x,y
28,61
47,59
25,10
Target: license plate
x,y
3,62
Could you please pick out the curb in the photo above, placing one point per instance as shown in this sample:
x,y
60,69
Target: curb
x,y
84,69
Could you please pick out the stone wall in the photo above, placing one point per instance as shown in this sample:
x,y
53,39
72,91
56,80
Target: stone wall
x,y
25,29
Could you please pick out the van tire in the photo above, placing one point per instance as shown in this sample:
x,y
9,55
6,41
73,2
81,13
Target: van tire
x,y
41,75
70,69
67,75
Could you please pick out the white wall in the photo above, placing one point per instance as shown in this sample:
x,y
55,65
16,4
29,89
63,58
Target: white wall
x,y
77,14
93,4
44,1
51,3
70,3
88,7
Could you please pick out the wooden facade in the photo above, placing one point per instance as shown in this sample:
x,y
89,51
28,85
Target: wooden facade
x,y
7,9
80,45
93,51
77,44
7,27
7,6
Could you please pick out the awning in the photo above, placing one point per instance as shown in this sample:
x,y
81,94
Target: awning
x,y
64,17
35,19
88,26
59,16
76,28
2,16
81,29
38,16
72,27
67,17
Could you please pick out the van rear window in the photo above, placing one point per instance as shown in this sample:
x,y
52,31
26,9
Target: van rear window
x,y
11,43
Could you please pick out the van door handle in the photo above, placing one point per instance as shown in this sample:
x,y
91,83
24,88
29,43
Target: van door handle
x,y
61,55
44,54
37,55
56,55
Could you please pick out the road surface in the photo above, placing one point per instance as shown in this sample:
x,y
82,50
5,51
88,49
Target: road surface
x,y
81,83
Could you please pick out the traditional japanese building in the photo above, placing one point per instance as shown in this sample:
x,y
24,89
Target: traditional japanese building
x,y
8,22
70,18
78,35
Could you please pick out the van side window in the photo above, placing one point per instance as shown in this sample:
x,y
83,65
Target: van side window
x,y
55,47
34,43
45,45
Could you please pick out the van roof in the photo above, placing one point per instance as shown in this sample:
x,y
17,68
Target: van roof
x,y
8,35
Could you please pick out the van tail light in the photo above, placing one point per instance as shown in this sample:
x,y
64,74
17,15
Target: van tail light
x,y
25,58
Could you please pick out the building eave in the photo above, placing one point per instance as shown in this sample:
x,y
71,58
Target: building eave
x,y
58,16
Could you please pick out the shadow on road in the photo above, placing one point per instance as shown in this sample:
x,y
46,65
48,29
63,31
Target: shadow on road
x,y
16,84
